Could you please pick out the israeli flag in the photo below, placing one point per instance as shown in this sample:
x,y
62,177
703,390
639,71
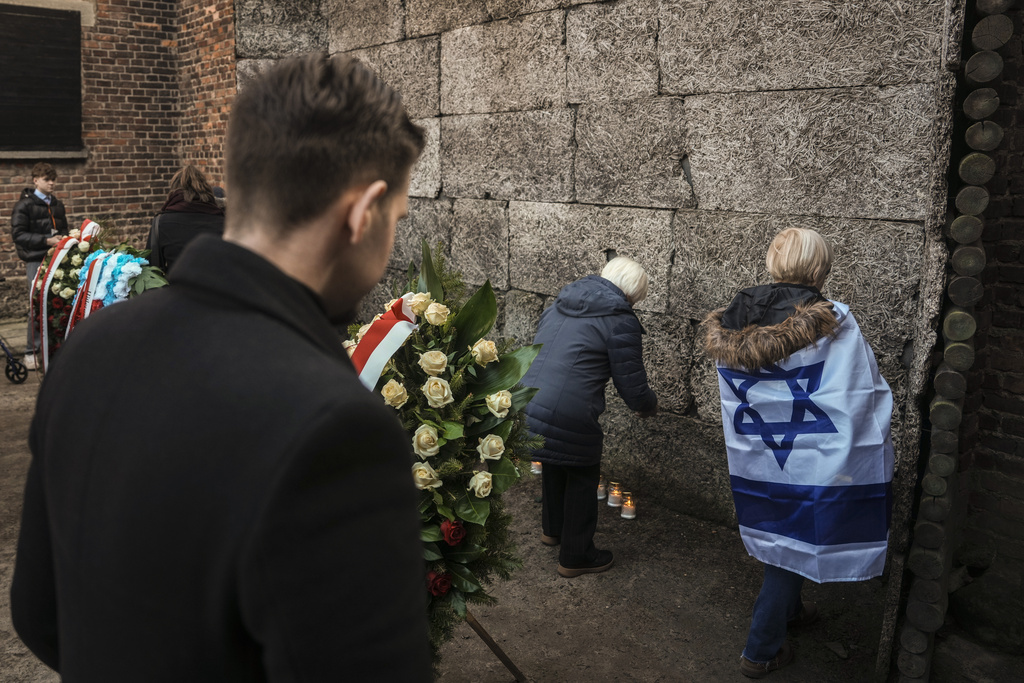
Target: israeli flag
x,y
811,458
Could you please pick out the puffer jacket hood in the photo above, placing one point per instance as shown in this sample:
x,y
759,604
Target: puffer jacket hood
x,y
592,297
766,324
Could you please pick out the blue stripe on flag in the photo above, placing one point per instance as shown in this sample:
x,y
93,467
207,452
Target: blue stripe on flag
x,y
819,515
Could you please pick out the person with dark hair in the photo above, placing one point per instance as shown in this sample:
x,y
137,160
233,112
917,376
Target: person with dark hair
x,y
253,516
191,210
37,222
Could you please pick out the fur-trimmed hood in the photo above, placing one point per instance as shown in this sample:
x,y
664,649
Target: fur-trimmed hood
x,y
767,324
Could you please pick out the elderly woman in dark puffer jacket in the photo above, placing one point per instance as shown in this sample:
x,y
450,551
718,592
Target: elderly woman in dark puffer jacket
x,y
589,335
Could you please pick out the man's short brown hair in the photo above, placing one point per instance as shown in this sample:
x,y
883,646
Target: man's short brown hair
x,y
307,129
44,170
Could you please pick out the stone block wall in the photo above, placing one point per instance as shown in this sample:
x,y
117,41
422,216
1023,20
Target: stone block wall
x,y
157,78
683,134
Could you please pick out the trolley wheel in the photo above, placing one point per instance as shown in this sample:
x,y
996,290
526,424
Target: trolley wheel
x,y
16,371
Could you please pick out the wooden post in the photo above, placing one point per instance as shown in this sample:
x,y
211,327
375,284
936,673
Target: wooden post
x,y
983,67
933,485
992,6
944,440
495,648
946,413
965,291
929,534
984,136
972,200
949,383
977,168
966,229
969,259
913,639
981,103
992,32
941,464
926,563
959,354
958,324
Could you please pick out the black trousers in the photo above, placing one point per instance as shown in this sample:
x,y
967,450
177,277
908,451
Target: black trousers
x,y
570,511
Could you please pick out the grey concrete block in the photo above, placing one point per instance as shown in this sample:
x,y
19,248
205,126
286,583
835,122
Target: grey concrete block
x,y
384,291
277,28
612,51
520,155
413,68
480,242
507,9
876,267
425,180
429,219
731,45
522,314
860,153
668,348
552,245
424,17
632,153
248,69
361,23
675,461
504,66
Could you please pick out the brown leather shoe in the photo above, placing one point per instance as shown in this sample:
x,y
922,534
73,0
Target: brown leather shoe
x,y
808,615
550,540
602,563
760,670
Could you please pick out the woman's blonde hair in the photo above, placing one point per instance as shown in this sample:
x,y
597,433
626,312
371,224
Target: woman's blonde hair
x,y
627,275
193,185
799,256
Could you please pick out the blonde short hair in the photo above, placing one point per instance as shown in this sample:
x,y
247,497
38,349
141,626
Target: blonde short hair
x,y
627,275
799,256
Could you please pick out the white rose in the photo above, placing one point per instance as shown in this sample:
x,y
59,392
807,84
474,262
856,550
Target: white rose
x,y
362,331
56,288
58,274
433,362
349,346
83,246
76,260
499,403
76,233
484,352
419,302
480,484
438,392
394,394
424,476
390,304
39,283
436,314
424,441
491,447
67,293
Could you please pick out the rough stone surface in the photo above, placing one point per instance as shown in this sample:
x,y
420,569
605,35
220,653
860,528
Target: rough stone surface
x,y
730,45
480,242
668,354
425,180
632,153
429,219
612,51
990,606
413,68
277,28
521,155
360,23
862,152
504,66
654,456
552,245
522,314
425,17
248,69
505,9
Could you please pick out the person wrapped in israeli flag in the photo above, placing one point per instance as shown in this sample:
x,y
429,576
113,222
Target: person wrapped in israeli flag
x,y
806,416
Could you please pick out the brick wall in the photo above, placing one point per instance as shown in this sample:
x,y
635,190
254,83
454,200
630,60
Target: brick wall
x,y
157,79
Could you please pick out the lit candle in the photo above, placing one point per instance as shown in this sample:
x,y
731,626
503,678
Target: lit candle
x,y
628,506
614,494
602,489
535,467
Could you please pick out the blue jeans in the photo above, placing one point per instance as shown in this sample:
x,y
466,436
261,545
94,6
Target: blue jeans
x,y
778,603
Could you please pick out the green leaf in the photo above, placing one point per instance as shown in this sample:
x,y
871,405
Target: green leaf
x,y
503,475
453,430
463,579
431,533
446,512
472,509
425,503
431,553
466,552
429,281
458,602
476,318
506,373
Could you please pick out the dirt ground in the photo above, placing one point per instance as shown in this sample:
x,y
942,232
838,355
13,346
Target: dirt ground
x,y
674,608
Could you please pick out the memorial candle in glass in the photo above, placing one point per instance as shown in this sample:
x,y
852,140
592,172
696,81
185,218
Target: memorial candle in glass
x,y
614,494
602,489
628,506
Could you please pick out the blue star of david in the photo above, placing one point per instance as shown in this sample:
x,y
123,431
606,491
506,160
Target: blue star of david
x,y
802,382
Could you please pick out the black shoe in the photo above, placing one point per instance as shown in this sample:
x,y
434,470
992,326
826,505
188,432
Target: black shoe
x,y
760,670
602,563
808,615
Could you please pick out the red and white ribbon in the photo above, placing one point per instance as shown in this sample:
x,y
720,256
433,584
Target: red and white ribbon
x,y
89,229
59,252
385,336
81,307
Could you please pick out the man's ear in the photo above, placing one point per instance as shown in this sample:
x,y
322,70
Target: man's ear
x,y
360,214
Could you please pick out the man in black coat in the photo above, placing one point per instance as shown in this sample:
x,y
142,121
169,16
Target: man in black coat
x,y
249,514
37,222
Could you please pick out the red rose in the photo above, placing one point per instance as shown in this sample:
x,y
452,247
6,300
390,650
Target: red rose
x,y
453,532
97,304
439,584
57,302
